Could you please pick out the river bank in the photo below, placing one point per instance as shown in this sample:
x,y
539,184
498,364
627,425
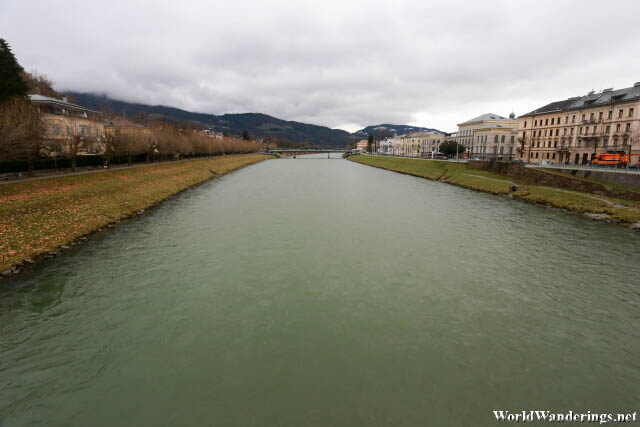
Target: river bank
x,y
596,206
41,217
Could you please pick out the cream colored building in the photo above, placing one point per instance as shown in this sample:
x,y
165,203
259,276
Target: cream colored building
x,y
489,136
574,130
418,144
64,121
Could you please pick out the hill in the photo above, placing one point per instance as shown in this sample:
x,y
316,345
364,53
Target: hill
x,y
390,129
258,125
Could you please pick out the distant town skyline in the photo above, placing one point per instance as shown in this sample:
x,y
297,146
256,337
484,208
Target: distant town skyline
x,y
339,64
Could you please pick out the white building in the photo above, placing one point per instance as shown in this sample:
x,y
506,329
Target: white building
x,y
385,146
489,136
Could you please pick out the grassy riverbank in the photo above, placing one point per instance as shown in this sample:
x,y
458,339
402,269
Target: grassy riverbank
x,y
40,216
460,174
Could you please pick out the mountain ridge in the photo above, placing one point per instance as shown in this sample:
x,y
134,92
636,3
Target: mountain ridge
x,y
257,124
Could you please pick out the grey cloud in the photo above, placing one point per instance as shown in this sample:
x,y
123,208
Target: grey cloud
x,y
330,63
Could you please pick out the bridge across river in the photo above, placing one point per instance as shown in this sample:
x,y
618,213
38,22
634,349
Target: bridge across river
x,y
296,151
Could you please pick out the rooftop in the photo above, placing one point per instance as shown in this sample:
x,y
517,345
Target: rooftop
x,y
592,99
485,117
40,99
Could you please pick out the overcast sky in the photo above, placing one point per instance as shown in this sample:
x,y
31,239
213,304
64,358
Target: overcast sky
x,y
344,64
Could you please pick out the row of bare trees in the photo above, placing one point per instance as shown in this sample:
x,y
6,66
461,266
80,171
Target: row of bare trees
x,y
23,138
170,142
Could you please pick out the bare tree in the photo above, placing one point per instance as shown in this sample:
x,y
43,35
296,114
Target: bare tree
x,y
80,139
40,84
21,131
124,144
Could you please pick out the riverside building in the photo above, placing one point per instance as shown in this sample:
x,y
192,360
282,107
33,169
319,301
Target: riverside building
x,y
418,144
489,136
575,130
64,122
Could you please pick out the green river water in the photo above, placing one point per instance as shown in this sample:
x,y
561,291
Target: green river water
x,y
321,292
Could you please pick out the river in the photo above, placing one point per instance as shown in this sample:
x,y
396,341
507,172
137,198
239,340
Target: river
x,y
322,292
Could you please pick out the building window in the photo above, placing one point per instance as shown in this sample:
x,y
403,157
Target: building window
x,y
546,122
620,114
610,115
564,132
627,127
600,116
557,132
573,119
571,131
551,120
513,139
525,123
591,116
618,127
535,123
583,117
630,112
495,139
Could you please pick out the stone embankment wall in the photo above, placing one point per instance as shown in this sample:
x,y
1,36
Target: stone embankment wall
x,y
620,178
540,177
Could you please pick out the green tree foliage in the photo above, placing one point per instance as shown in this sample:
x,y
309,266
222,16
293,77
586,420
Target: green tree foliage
x,y
449,148
11,82
245,135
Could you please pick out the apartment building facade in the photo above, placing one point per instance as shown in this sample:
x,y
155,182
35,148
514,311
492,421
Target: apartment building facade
x,y
418,144
575,130
64,122
489,136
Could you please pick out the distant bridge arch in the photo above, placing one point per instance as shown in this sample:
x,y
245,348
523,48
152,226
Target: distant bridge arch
x,y
310,150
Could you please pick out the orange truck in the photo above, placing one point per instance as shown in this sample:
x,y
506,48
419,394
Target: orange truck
x,y
619,160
